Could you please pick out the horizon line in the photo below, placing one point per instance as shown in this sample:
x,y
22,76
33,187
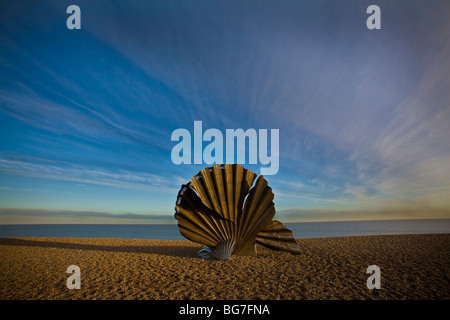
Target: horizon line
x,y
175,223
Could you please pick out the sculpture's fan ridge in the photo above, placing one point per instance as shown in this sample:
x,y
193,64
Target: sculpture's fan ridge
x,y
220,209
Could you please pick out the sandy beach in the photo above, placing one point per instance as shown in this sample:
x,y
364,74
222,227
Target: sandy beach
x,y
412,267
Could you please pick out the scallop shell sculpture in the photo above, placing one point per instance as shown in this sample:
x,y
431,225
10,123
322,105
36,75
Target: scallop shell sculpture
x,y
220,209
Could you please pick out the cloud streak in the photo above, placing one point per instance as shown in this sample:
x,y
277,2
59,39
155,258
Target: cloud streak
x,y
400,213
89,175
20,215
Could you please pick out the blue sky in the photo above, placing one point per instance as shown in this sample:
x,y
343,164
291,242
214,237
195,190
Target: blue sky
x,y
86,115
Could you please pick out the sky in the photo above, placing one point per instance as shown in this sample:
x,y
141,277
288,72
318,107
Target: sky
x,y
86,116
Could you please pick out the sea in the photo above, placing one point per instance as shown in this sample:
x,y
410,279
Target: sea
x,y
171,232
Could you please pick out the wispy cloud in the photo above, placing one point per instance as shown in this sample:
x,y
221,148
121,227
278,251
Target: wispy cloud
x,y
74,119
20,215
402,212
91,175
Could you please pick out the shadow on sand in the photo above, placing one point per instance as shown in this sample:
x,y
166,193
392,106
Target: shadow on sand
x,y
174,251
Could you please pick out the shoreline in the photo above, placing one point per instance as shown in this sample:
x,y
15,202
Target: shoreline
x,y
171,231
413,266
